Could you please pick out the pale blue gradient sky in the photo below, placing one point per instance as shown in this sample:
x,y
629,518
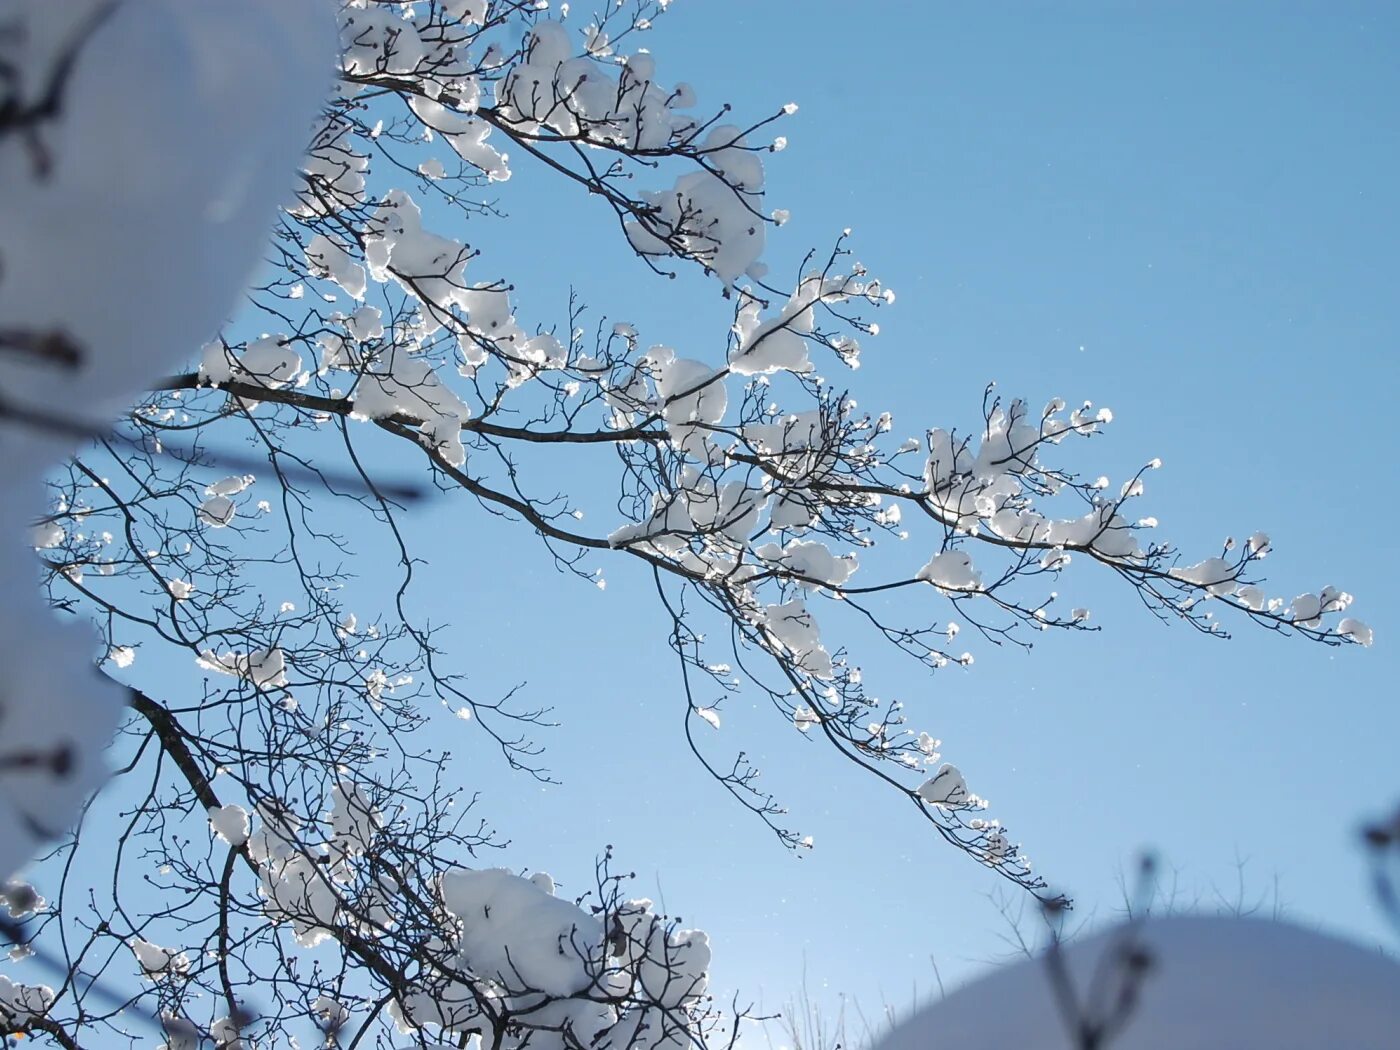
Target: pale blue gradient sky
x,y
1185,212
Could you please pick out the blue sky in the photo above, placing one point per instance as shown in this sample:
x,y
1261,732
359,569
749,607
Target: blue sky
x,y
1184,212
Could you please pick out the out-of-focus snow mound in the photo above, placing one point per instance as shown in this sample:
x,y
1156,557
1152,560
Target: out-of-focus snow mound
x,y
1211,984
134,211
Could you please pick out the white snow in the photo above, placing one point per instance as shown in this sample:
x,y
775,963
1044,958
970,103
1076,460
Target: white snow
x,y
947,788
330,1014
217,511
230,823
793,631
265,668
1215,575
23,1003
157,962
810,559
401,384
951,571
1212,984
1355,630
1306,609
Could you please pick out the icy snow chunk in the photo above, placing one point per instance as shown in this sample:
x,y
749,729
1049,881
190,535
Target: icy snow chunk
x,y
157,962
180,1033
376,40
471,12
269,361
1251,597
355,821
1009,445
1355,630
265,668
276,837
466,135
579,97
19,899
810,559
1216,575
731,509
409,386
691,391
710,715
295,889
1102,530
230,823
427,266
329,1014
952,571
774,345
337,171
216,363
515,933
327,260
794,631
1334,599
366,324
179,589
122,655
1020,523
714,217
802,449
670,965
946,789
596,42
217,511
546,351
227,1034
229,486
1305,610
21,1004
946,459
693,396
489,313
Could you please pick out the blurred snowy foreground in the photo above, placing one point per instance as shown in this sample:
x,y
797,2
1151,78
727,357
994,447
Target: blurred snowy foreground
x,y
142,167
1182,983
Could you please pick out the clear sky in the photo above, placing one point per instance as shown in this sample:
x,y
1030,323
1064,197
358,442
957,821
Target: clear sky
x,y
1184,211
